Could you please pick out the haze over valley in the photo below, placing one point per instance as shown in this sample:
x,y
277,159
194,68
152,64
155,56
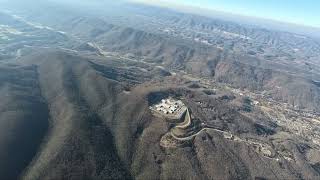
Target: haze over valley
x,y
101,90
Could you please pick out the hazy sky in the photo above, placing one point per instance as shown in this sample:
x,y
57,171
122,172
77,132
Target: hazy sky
x,y
305,12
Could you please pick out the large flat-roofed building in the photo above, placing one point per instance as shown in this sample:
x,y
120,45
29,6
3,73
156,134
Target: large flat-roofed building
x,y
170,108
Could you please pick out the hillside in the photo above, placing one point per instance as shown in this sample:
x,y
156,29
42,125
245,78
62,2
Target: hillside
x,y
84,95
92,128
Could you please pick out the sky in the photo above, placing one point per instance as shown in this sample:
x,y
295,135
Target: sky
x,y
303,12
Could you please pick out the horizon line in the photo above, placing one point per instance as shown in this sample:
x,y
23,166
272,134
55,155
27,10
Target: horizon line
x,y
186,8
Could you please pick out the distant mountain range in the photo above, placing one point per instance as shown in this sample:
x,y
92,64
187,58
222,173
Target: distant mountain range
x,y
241,19
77,83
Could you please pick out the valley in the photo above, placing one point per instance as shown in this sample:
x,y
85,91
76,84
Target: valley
x,y
145,92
